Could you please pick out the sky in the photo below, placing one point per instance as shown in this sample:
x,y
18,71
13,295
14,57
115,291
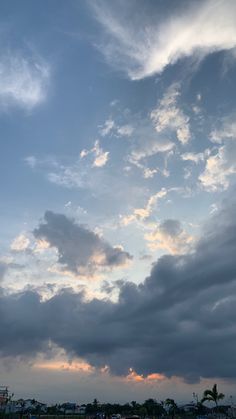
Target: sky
x,y
118,229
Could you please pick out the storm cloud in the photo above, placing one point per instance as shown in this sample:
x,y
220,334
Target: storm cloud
x,y
80,250
180,321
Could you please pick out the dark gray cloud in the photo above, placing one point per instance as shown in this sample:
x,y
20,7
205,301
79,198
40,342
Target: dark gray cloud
x,y
179,321
80,250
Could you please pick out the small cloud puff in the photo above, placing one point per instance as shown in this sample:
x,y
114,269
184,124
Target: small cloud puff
x,y
100,157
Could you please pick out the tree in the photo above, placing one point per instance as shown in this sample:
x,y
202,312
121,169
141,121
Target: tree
x,y
172,407
212,395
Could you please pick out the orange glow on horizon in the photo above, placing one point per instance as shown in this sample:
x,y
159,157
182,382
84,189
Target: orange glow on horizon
x,y
65,366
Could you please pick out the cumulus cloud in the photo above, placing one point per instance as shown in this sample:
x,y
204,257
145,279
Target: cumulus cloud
x,y
23,80
80,250
100,157
178,322
169,116
143,46
170,236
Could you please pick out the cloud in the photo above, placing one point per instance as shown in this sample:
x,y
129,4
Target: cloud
x,y
196,157
141,214
31,161
169,235
178,322
80,250
100,157
168,123
105,129
144,45
169,116
111,127
148,143
221,163
125,130
24,80
219,169
20,243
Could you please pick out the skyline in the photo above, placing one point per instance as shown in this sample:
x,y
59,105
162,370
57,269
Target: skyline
x,y
118,163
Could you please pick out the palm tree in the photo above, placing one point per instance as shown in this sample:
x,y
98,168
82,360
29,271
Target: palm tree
x,y
212,395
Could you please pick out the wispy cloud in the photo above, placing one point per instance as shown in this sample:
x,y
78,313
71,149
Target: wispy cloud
x,y
140,214
23,80
111,127
142,47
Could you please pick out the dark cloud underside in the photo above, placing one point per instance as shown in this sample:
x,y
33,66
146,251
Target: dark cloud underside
x,y
179,321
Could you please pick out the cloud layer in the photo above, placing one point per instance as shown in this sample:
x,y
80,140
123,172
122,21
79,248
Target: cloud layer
x,y
179,321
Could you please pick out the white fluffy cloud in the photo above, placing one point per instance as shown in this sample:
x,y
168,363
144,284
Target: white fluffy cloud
x,y
141,47
23,81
